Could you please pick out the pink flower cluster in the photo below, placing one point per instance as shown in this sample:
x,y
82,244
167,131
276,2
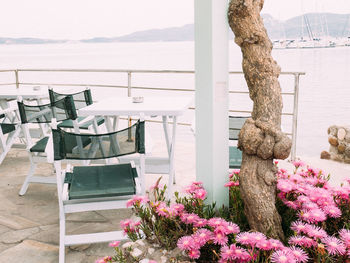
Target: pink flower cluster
x,y
217,232
104,259
246,247
168,211
137,201
130,226
309,193
196,190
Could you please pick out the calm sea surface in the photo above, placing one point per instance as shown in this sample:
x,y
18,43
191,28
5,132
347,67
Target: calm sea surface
x,y
324,90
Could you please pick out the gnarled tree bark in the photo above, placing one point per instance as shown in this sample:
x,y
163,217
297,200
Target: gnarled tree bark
x,y
260,139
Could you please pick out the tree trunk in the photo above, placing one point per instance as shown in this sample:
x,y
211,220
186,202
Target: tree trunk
x,y
260,139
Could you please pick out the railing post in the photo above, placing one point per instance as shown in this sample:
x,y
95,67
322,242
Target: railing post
x,y
129,83
295,116
129,95
17,80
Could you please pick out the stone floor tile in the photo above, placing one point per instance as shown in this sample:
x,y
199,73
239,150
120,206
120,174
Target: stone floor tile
x,y
30,251
17,236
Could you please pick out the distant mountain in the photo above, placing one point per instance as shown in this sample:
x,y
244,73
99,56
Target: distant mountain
x,y
184,33
28,40
321,24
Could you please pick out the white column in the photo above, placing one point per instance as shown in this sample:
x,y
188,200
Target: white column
x,y
211,66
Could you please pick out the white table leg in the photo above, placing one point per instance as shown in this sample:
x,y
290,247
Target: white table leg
x,y
114,144
166,133
171,148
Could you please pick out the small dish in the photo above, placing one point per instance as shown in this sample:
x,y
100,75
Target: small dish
x,y
137,99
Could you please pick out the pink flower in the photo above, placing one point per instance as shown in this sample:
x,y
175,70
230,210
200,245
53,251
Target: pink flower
x,y
125,223
315,232
264,245
237,171
299,254
194,254
216,221
345,236
299,227
129,225
202,236
220,239
246,238
185,243
200,194
298,163
231,184
232,228
282,256
285,185
162,210
114,244
334,246
193,187
317,215
332,211
257,237
176,209
189,218
276,244
201,222
227,253
302,241
235,253
137,200
104,260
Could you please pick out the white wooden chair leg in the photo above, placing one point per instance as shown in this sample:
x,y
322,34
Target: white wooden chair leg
x,y
27,180
62,244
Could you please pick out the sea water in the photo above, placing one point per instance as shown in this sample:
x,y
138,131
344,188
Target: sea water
x,y
324,98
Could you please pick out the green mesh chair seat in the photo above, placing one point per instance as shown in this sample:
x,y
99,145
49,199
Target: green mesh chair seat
x,y
40,145
7,127
68,124
235,154
101,181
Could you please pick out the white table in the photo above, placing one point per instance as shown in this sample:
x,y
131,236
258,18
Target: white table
x,y
161,106
28,93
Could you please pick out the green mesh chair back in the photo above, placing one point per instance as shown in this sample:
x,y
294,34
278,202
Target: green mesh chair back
x,y
81,99
127,141
235,154
61,110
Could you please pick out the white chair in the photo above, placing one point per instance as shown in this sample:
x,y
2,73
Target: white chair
x,y
9,131
40,151
96,187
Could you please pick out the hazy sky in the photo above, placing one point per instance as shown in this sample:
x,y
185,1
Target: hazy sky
x,y
77,19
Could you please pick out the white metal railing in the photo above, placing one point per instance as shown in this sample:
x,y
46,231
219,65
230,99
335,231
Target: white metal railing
x,y
17,82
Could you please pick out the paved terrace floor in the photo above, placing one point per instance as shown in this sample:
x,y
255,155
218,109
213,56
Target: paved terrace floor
x,y
29,224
